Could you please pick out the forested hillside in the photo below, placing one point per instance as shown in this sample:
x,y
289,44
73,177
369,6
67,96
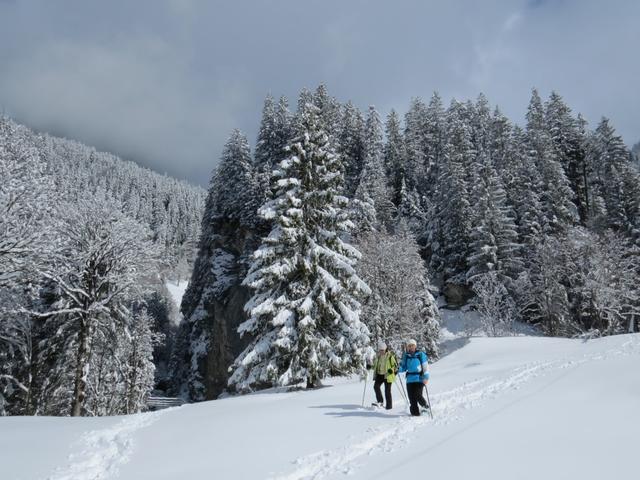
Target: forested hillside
x,y
535,223
338,231
86,240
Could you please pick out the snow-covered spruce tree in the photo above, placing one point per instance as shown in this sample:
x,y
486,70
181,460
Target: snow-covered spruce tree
x,y
401,305
394,156
614,180
522,184
372,206
273,135
556,195
635,156
304,315
568,147
266,145
351,146
411,211
481,124
206,341
433,144
450,227
95,272
414,141
329,116
494,245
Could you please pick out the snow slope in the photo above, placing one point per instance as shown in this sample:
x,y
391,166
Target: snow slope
x,y
176,292
505,408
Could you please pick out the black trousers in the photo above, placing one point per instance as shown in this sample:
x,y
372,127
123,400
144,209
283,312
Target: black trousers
x,y
414,391
380,379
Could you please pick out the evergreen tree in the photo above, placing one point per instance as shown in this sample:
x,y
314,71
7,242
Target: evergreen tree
x,y
481,123
273,136
266,145
410,210
449,230
559,211
523,184
351,146
615,181
329,116
495,245
433,143
237,201
567,146
304,315
414,143
373,205
394,156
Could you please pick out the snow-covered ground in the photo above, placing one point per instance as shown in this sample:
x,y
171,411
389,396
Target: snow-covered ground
x,y
504,408
176,292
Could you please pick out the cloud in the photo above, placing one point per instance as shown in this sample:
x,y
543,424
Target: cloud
x,y
164,82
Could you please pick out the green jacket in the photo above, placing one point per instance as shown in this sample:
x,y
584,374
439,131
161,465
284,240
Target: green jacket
x,y
390,364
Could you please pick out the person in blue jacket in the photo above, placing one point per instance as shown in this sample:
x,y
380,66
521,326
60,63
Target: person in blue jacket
x,y
416,365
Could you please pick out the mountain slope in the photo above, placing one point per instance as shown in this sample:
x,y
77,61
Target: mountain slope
x,y
521,407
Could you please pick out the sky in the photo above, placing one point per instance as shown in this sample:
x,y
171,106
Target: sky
x,y
164,82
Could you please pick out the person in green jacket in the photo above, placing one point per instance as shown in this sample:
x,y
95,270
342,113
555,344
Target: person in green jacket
x,y
385,367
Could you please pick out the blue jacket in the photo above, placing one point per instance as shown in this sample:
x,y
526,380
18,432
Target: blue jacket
x,y
416,365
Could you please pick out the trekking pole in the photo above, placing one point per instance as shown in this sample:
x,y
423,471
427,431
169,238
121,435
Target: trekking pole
x,y
401,392
405,391
401,388
365,387
429,402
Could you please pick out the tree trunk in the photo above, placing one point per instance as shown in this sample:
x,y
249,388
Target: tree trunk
x,y
82,368
311,381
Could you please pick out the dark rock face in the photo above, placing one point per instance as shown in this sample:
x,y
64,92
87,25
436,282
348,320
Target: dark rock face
x,y
225,315
213,308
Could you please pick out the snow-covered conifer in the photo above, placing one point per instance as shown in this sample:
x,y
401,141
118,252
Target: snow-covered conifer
x,y
351,146
568,147
304,315
494,245
556,195
374,208
394,155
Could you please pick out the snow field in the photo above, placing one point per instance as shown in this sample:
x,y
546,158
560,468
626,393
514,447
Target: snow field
x,y
521,407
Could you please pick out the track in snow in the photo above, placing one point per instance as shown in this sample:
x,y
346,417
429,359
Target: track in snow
x,y
101,452
448,406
